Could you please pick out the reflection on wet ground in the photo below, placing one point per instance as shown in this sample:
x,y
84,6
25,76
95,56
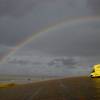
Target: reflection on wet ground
x,y
80,88
96,83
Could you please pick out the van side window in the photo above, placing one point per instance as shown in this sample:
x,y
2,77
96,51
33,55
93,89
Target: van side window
x,y
93,70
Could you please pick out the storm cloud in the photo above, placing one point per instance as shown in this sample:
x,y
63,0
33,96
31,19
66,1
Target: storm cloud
x,y
19,19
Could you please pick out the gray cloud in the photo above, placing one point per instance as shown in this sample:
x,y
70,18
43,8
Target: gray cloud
x,y
94,5
63,61
76,38
20,18
39,60
15,7
63,66
4,50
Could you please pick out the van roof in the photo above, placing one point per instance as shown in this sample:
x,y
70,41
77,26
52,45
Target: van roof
x,y
97,66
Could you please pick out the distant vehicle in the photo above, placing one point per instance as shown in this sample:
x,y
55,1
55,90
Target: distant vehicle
x,y
95,71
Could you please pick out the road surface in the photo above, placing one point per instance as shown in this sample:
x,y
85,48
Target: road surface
x,y
80,88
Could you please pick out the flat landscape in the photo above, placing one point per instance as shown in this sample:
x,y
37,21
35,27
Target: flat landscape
x,y
76,88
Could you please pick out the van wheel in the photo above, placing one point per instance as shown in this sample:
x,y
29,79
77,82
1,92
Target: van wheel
x,y
90,76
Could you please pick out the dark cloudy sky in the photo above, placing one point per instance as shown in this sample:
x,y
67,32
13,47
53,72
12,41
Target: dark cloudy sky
x,y
20,18
76,36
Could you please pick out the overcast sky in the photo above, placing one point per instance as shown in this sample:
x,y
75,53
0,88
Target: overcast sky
x,y
20,18
76,36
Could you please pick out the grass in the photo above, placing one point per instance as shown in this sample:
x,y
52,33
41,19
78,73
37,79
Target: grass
x,y
7,85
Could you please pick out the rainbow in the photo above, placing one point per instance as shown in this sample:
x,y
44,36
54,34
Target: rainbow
x,y
72,21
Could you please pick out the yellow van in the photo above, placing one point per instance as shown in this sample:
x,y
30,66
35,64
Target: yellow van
x,y
95,71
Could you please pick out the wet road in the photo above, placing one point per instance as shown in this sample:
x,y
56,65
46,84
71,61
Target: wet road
x,y
80,88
